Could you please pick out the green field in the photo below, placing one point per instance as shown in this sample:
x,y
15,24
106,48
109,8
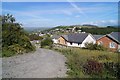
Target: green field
x,y
77,58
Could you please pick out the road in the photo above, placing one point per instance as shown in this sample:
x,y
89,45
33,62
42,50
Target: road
x,y
42,63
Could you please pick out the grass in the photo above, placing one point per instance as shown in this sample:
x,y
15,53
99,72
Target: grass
x,y
77,57
7,53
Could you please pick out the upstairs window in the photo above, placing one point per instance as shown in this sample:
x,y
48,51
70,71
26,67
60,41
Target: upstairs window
x,y
112,45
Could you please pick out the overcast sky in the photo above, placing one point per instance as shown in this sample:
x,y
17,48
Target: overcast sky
x,y
51,14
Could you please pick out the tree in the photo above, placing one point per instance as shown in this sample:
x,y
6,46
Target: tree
x,y
47,42
35,37
13,35
8,19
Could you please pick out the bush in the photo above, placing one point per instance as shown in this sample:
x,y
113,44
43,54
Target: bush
x,y
46,42
14,38
35,37
92,46
16,49
92,67
25,43
7,53
112,69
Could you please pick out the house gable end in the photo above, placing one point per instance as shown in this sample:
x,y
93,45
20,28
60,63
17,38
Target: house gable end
x,y
88,39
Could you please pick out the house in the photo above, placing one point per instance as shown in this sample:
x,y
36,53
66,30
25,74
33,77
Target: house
x,y
110,41
55,38
97,36
76,39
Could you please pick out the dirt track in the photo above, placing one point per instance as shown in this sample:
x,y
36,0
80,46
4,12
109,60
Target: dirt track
x,y
41,64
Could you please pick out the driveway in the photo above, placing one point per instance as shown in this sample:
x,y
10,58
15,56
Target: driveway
x,y
42,63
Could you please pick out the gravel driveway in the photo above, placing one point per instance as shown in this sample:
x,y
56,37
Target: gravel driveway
x,y
41,64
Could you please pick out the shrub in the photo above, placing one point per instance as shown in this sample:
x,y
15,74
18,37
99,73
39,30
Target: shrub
x,y
16,48
14,38
25,43
7,53
112,69
35,37
47,42
93,67
92,46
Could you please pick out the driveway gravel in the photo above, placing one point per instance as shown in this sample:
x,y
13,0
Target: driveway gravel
x,y
42,63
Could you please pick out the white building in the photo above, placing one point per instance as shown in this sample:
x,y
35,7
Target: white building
x,y
76,39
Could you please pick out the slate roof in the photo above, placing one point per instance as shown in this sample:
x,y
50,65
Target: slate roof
x,y
55,36
65,36
115,36
97,36
76,37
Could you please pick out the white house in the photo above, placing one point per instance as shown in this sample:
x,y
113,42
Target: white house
x,y
76,39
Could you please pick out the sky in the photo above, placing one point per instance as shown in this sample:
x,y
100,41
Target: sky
x,y
51,14
60,0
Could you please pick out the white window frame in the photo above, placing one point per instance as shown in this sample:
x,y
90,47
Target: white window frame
x,y
112,45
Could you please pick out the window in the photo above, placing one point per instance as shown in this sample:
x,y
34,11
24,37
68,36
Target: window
x,y
112,45
100,43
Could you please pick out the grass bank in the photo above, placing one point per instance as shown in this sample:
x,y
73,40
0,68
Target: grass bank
x,y
83,63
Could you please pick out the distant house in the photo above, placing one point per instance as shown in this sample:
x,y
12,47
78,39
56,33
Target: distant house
x,y
41,34
76,39
110,41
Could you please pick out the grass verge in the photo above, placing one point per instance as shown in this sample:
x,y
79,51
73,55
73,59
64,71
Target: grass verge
x,y
77,58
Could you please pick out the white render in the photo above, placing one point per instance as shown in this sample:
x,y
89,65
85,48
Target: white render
x,y
55,40
119,46
88,39
73,44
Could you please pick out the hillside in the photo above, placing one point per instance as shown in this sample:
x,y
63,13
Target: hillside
x,y
34,29
81,28
100,30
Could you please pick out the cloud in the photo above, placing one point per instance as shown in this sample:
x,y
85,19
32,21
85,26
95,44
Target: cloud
x,y
104,23
27,18
35,14
67,12
76,7
20,13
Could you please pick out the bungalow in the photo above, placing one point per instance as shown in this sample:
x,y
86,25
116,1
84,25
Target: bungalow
x,y
97,36
110,41
55,38
76,39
